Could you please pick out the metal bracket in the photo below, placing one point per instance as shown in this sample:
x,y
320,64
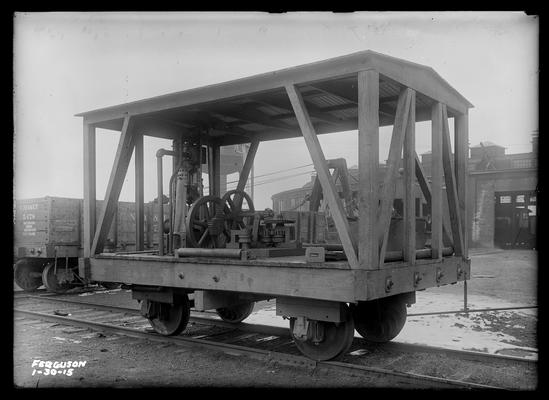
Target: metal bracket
x,y
315,254
388,284
439,274
301,327
417,278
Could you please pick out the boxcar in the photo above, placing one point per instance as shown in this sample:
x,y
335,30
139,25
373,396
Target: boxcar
x,y
228,255
48,239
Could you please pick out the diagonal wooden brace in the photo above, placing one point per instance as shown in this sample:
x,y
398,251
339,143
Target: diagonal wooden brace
x,y
389,182
323,175
114,187
245,173
451,188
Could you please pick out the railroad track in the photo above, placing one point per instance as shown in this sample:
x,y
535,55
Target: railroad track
x,y
398,364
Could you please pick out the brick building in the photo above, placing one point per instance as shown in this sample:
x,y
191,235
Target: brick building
x,y
501,191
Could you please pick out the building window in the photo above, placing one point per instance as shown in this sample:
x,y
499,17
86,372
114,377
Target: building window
x,y
504,199
520,198
523,163
532,199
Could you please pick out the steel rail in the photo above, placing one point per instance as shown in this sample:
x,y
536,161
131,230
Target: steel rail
x,y
476,310
284,332
406,378
207,320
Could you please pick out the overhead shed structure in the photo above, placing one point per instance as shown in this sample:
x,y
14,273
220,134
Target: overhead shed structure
x,y
363,91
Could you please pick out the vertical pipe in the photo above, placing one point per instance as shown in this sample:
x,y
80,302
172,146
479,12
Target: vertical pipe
x,y
171,213
465,292
180,211
160,209
368,166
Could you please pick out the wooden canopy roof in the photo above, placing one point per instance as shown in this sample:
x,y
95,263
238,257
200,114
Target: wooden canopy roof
x,y
258,107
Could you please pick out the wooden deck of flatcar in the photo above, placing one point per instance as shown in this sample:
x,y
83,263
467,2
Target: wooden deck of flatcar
x,y
282,276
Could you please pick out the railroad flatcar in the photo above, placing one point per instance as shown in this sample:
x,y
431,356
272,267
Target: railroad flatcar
x,y
220,253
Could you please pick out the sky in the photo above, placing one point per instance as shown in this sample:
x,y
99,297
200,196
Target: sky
x,y
67,63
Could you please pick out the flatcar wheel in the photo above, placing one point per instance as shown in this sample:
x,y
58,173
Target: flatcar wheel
x,y
28,276
167,319
336,341
236,314
380,320
53,282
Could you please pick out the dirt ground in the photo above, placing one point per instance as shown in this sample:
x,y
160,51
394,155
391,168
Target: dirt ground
x,y
121,362
501,277
509,275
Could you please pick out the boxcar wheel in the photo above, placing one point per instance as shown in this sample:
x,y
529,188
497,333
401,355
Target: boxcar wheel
x,y
28,276
236,314
380,320
167,319
52,281
338,338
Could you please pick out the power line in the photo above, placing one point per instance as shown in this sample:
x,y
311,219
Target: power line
x,y
282,170
274,173
280,178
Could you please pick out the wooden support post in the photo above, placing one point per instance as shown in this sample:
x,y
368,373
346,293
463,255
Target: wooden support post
x,y
451,189
139,194
214,170
409,251
368,166
116,180
436,181
323,174
391,176
90,203
461,159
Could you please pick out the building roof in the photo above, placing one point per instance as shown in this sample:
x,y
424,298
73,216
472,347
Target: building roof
x,y
258,107
487,144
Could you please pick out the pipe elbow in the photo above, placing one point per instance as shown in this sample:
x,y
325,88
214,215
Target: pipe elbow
x,y
160,153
